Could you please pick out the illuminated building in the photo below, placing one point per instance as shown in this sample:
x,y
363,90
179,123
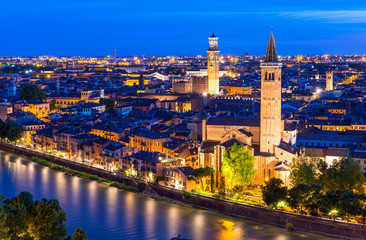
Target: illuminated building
x,y
329,81
271,125
213,65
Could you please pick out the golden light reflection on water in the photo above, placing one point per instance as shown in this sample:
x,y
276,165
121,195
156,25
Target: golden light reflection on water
x,y
173,221
111,204
92,198
129,210
198,220
60,185
45,179
150,220
75,191
227,229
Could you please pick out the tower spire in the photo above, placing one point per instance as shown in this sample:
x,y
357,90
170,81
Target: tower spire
x,y
271,55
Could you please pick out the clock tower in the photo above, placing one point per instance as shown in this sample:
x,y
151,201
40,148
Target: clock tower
x,y
213,65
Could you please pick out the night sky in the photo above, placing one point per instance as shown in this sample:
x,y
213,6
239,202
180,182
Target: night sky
x,y
148,27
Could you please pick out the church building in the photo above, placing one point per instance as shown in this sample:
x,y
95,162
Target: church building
x,y
267,138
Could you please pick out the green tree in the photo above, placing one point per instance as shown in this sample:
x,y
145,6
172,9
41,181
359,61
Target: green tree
x,y
238,190
314,202
53,104
46,220
200,173
345,174
10,130
349,203
13,131
23,218
330,201
32,92
273,192
79,234
238,165
297,196
109,103
222,188
305,170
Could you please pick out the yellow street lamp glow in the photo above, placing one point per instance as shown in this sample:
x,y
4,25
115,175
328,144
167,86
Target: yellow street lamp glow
x,y
281,204
333,212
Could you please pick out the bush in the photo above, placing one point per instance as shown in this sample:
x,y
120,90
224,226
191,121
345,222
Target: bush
x,y
124,187
57,168
290,227
187,195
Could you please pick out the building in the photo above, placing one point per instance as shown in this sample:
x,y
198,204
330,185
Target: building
x,y
271,125
329,81
213,65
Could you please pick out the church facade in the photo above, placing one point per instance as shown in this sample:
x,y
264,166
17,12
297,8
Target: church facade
x,y
266,138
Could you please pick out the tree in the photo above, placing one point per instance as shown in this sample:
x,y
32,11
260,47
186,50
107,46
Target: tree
x,y
238,165
330,202
23,218
32,92
200,173
298,195
314,202
109,103
238,190
349,203
222,188
46,220
13,131
53,104
345,174
305,170
10,130
273,192
79,234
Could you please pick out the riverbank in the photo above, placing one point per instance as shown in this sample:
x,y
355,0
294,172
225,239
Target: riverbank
x,y
262,215
84,175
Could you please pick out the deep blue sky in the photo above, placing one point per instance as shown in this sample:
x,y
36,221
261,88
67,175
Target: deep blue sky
x,y
171,27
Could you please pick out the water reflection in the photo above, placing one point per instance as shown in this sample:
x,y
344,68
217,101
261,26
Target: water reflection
x,y
108,213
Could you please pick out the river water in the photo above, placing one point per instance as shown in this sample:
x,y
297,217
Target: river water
x,y
109,213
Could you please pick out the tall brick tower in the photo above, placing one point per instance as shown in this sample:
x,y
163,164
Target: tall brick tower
x,y
329,81
213,65
271,125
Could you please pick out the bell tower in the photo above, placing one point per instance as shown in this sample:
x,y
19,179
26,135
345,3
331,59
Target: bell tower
x,y
270,115
213,65
329,81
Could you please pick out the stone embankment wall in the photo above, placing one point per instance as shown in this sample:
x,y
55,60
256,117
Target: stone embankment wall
x,y
267,216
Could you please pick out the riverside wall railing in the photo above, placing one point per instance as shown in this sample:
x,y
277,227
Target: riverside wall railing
x,y
258,214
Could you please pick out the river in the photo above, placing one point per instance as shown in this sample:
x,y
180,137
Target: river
x,y
109,213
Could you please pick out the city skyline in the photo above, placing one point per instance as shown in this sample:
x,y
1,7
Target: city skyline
x,y
142,28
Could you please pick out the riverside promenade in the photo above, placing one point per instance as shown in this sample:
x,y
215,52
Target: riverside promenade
x,y
262,215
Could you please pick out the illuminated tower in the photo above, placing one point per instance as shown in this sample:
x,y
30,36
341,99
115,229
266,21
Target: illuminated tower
x,y
270,124
114,52
213,65
329,81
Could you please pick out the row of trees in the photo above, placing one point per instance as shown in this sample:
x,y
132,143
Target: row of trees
x,y
10,131
344,174
23,218
313,199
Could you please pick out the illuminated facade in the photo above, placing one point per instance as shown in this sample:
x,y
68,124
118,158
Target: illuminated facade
x,y
329,81
213,65
271,125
